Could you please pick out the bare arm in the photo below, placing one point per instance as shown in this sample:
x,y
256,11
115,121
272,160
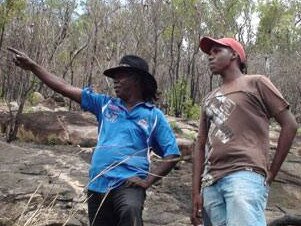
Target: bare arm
x,y
288,131
199,156
55,83
198,168
161,170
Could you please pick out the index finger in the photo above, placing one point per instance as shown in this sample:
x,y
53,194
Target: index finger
x,y
14,50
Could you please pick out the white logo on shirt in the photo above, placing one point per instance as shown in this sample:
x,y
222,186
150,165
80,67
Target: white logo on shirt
x,y
143,123
219,109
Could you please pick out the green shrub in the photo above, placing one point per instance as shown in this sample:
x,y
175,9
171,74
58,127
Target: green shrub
x,y
175,127
179,102
34,98
52,140
191,111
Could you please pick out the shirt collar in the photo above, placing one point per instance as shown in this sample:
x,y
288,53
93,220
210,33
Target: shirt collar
x,y
146,104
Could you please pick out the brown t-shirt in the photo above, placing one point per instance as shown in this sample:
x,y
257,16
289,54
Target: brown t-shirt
x,y
238,136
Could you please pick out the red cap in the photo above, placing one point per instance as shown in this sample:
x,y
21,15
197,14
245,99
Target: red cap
x,y
206,44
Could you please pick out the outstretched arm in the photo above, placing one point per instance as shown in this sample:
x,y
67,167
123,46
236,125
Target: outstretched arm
x,y
288,131
57,84
197,171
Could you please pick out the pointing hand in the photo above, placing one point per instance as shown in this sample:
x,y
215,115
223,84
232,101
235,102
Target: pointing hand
x,y
21,59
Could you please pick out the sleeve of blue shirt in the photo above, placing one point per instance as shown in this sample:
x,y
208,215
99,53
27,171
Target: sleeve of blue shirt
x,y
164,141
93,102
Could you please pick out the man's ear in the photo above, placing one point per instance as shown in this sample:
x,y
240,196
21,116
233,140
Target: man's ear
x,y
234,55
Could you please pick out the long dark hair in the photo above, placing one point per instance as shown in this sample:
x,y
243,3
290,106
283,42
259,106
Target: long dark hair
x,y
148,89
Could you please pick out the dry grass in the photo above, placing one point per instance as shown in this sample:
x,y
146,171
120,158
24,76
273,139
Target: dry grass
x,y
42,211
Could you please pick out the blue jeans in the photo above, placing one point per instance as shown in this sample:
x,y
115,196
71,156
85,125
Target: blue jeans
x,y
237,199
122,207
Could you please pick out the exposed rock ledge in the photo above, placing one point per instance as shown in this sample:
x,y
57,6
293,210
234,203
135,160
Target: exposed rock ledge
x,y
80,128
44,185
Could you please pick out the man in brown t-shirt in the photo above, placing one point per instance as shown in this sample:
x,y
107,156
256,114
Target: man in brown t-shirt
x,y
231,158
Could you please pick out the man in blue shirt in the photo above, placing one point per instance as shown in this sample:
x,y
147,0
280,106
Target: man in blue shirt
x,y
130,127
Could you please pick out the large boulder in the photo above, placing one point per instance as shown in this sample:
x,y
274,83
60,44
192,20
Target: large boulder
x,y
186,133
63,127
78,128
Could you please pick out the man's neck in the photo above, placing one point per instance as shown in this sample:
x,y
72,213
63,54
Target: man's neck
x,y
230,75
132,102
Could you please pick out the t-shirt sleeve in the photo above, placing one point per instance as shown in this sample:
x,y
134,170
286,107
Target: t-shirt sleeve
x,y
271,97
164,141
93,102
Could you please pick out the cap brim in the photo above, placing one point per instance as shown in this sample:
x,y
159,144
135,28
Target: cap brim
x,y
146,76
113,71
206,44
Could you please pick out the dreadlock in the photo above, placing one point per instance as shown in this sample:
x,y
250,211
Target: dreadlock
x,y
149,92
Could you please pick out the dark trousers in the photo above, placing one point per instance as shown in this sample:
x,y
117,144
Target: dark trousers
x,y
122,207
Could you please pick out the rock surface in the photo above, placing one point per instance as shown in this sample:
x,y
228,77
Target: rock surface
x,y
45,185
62,127
80,128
